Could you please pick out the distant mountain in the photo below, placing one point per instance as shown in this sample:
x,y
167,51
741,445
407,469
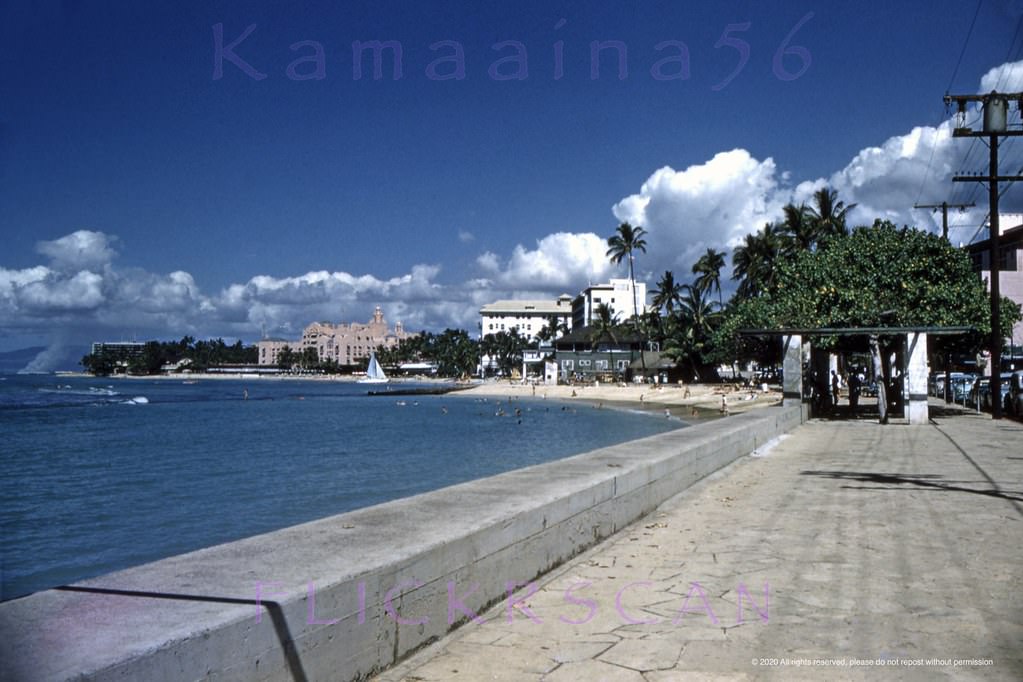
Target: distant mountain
x,y
59,359
13,360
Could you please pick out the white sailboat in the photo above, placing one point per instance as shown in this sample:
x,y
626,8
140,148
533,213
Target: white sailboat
x,y
374,373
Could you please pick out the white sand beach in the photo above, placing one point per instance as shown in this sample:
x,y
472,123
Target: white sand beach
x,y
687,401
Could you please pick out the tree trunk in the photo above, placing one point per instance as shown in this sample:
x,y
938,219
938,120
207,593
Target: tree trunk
x,y
878,366
635,311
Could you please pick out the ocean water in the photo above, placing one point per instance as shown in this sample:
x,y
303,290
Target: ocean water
x,y
97,475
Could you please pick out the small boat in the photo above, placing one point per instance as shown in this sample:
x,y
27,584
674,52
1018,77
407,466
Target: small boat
x,y
374,373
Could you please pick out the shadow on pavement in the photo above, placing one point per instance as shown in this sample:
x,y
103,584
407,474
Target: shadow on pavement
x,y
921,481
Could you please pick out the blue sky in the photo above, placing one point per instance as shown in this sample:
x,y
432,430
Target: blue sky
x,y
143,197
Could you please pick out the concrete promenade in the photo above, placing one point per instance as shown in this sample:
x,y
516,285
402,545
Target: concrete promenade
x,y
847,550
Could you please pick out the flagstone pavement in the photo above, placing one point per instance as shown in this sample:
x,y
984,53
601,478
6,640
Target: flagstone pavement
x,y
845,550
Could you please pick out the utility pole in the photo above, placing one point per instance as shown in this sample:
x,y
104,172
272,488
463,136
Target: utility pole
x,y
944,206
996,116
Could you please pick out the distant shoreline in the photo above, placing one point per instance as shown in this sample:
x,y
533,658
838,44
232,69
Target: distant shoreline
x,y
204,376
703,401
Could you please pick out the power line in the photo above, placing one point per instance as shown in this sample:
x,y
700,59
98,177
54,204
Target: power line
x,y
944,206
955,72
966,42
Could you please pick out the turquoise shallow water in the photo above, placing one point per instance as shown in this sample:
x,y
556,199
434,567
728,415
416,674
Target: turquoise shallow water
x,y
94,479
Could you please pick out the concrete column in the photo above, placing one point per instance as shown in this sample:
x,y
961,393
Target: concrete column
x,y
915,384
792,369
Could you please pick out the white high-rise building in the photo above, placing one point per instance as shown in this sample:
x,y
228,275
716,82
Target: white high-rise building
x,y
617,294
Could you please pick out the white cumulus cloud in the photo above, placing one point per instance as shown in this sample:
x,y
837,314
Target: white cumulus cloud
x,y
560,261
81,250
713,204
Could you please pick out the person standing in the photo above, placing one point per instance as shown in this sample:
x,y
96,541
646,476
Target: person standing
x,y
854,389
835,385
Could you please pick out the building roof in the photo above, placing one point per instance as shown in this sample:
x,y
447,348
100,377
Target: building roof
x,y
655,360
545,307
854,331
623,336
1013,237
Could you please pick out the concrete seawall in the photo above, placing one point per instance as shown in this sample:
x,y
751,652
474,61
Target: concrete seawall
x,y
348,595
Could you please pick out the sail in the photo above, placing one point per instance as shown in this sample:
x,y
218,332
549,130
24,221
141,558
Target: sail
x,y
375,372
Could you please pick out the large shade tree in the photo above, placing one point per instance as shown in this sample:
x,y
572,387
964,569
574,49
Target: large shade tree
x,y
879,276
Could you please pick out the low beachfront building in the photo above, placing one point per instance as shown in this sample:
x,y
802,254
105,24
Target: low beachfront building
x,y
582,356
617,294
345,344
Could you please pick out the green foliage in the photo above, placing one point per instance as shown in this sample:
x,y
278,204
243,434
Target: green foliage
x,y
689,333
876,276
506,347
100,365
453,352
200,354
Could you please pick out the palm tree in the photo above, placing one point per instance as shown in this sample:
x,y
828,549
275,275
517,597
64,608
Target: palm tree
x,y
488,351
509,346
708,271
625,242
799,229
828,214
605,325
667,293
693,328
286,358
555,328
755,261
698,312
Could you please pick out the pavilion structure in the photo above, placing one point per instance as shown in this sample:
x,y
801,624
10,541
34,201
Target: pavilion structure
x,y
906,346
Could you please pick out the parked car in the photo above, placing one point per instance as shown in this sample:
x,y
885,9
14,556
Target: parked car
x,y
982,388
962,386
936,383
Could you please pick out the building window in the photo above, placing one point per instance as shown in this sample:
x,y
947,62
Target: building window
x,y
1007,260
601,365
584,363
568,365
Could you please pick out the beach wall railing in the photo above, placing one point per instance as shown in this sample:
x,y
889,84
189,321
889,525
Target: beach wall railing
x,y
346,596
